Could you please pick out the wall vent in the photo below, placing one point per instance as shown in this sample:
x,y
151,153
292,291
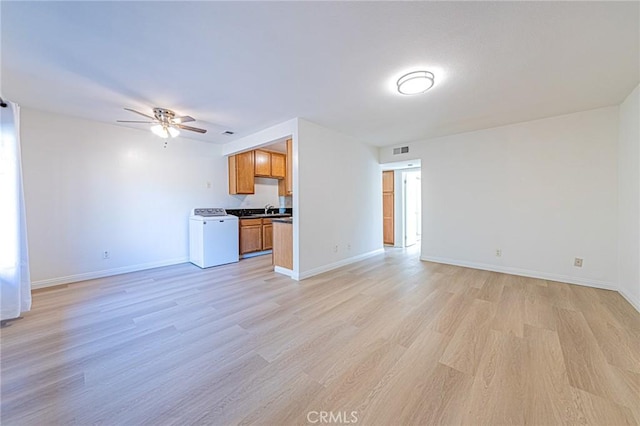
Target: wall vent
x,y
401,150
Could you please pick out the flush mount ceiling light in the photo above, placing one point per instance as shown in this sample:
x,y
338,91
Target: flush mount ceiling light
x,y
415,82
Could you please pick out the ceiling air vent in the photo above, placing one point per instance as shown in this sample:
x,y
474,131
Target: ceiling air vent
x,y
401,150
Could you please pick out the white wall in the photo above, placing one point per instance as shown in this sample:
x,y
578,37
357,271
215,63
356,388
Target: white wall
x,y
339,200
629,198
92,186
278,132
544,192
266,192
266,189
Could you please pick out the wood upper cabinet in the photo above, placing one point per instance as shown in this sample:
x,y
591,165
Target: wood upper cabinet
x,y
387,207
250,235
241,173
263,163
270,164
289,177
278,165
285,186
244,167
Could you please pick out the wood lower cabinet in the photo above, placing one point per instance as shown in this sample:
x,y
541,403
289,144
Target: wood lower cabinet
x,y
267,234
241,177
255,235
250,235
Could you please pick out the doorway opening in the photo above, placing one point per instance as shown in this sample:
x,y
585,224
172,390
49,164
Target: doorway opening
x,y
412,207
402,203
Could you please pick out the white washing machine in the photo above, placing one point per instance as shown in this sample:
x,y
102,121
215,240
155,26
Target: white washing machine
x,y
213,237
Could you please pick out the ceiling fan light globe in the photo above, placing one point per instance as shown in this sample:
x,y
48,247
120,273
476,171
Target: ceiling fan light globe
x,y
173,132
160,130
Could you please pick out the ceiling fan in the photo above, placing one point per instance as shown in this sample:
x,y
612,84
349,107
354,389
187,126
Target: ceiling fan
x,y
165,123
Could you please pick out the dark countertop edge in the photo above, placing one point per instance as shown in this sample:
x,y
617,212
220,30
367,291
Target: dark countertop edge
x,y
265,216
288,220
251,211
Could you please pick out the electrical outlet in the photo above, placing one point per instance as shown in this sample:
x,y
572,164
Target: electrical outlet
x,y
498,252
577,262
106,254
335,248
348,247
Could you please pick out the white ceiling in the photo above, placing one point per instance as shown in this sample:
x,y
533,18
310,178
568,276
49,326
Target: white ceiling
x,y
245,66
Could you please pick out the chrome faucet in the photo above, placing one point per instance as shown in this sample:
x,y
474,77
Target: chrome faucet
x,y
266,208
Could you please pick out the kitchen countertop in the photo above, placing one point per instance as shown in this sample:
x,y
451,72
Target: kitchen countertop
x,y
258,213
288,220
272,215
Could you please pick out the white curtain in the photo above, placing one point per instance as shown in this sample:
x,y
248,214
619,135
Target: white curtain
x,y
15,296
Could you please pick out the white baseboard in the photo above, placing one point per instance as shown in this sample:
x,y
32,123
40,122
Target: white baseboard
x,y
633,302
105,273
336,265
255,253
283,271
525,273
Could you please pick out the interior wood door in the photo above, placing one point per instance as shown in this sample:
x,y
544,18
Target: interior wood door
x,y
387,181
388,207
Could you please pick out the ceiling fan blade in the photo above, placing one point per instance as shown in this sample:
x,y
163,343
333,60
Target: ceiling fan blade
x,y
193,129
141,113
183,119
130,121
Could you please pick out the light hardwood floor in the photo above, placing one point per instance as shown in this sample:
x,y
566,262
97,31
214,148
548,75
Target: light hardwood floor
x,y
393,339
